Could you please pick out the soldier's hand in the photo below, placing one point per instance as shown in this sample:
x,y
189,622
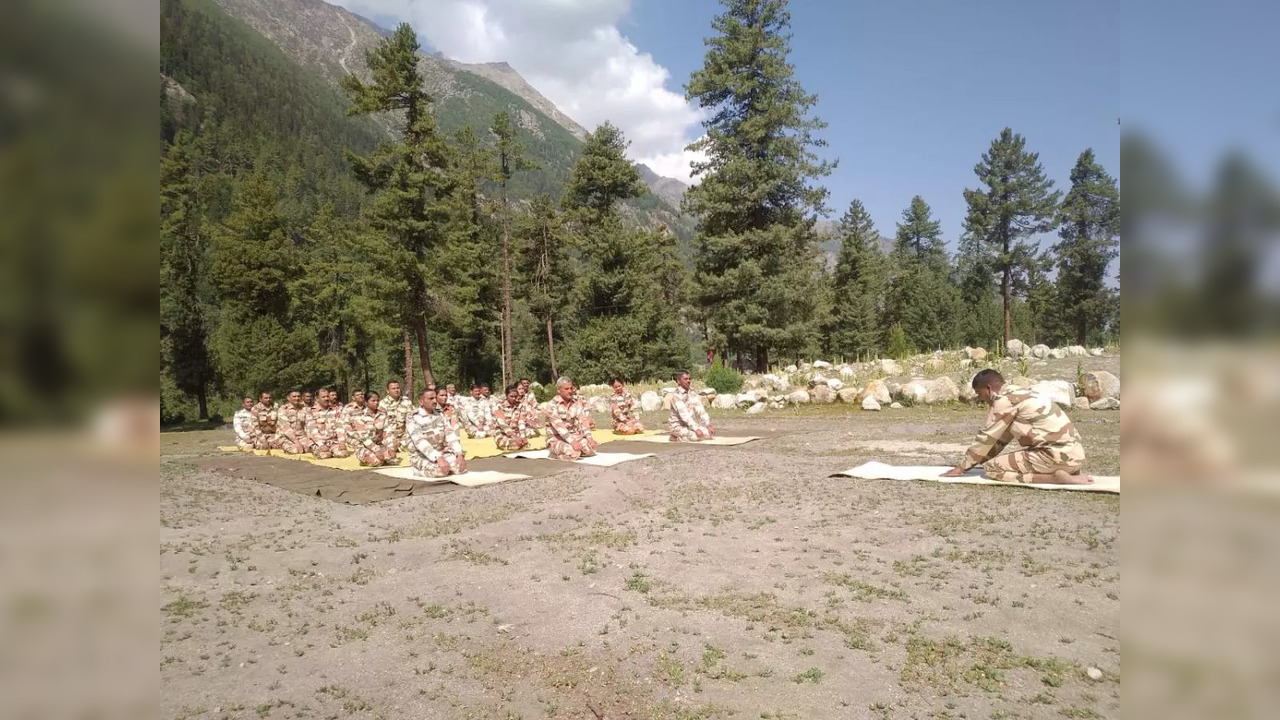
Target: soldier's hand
x,y
954,472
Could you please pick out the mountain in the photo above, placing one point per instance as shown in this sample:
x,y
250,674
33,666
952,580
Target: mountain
x,y
332,41
830,244
669,189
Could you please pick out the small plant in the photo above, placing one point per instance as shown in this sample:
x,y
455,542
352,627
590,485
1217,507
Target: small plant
x,y
813,675
898,348
1023,368
724,379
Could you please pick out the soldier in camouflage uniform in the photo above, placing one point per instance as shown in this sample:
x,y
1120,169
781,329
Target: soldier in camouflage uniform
x,y
474,413
369,437
265,418
529,405
398,409
1049,451
326,430
291,425
356,406
508,422
435,449
622,406
568,424
245,426
308,399
688,421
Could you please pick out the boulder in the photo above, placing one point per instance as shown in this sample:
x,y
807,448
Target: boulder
x,y
967,393
750,397
725,402
1106,403
792,368
1057,353
1040,352
888,367
879,390
819,364
707,392
1080,403
848,395
774,382
817,377
1019,381
914,391
934,365
977,354
1099,384
598,404
847,372
966,363
1015,349
835,384
893,386
895,406
1096,352
870,403
823,394
649,401
799,397
755,409
1076,351
1060,391
942,390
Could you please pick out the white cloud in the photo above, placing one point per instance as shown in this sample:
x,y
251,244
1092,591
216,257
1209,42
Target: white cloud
x,y
573,53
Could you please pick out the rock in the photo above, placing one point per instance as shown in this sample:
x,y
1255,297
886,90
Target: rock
x,y
1040,352
799,397
1019,381
834,384
889,367
1080,403
774,382
817,378
870,403
849,395
895,406
893,386
1106,403
966,363
598,404
1057,353
821,364
915,391
805,367
879,390
942,390
756,409
792,368
1099,384
725,402
847,372
1060,391
667,399
707,392
649,401
1096,352
823,394
1093,673
1015,349
1076,351
934,365
750,397
967,393
977,354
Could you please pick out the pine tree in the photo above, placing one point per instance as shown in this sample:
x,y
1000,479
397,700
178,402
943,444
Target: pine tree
x,y
919,237
184,328
858,286
757,265
1019,202
545,266
511,159
1043,305
408,178
980,324
1089,232
921,298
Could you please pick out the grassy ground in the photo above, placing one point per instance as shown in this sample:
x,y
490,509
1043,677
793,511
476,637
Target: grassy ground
x,y
725,582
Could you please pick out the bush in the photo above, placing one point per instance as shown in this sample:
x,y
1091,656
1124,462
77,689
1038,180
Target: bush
x,y
724,379
898,348
543,393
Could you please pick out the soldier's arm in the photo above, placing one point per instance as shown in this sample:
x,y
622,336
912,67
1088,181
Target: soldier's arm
x,y
682,411
993,437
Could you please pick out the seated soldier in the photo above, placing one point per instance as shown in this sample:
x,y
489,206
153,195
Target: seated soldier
x,y
529,404
623,407
326,430
369,438
291,426
508,422
452,399
245,426
435,450
398,409
308,399
1049,448
265,417
688,421
568,424
355,407
471,412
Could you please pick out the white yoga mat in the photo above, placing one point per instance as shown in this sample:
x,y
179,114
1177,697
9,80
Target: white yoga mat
x,y
472,478
666,440
933,473
599,459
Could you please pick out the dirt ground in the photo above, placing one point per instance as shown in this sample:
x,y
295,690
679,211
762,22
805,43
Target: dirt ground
x,y
719,582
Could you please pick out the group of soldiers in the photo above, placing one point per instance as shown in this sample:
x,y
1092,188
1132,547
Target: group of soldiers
x,y
377,428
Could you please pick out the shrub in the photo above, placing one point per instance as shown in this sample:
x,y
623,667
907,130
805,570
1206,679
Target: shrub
x,y
543,393
724,379
898,348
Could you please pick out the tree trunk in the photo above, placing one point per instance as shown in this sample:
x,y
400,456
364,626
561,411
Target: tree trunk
x,y
1004,292
424,351
551,350
502,355
506,283
408,366
762,360
202,397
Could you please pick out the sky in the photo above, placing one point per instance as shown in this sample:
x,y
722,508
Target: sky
x,y
914,91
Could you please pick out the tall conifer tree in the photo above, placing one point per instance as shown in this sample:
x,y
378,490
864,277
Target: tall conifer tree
x,y
1089,232
858,285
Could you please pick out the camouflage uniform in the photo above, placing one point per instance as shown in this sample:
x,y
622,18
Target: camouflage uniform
x,y
369,437
265,419
508,426
246,429
568,421
626,421
291,429
532,417
327,434
433,436
688,421
398,412
1047,437
475,416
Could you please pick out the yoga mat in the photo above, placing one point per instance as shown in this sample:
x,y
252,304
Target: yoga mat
x,y
599,459
471,478
933,473
718,440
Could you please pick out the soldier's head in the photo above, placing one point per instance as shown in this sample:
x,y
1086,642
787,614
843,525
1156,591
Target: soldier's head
x,y
513,393
265,399
247,403
987,383
295,398
427,399
357,397
617,385
371,401
451,389
484,389
322,396
564,388
393,390
307,398
524,383
475,392
682,379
